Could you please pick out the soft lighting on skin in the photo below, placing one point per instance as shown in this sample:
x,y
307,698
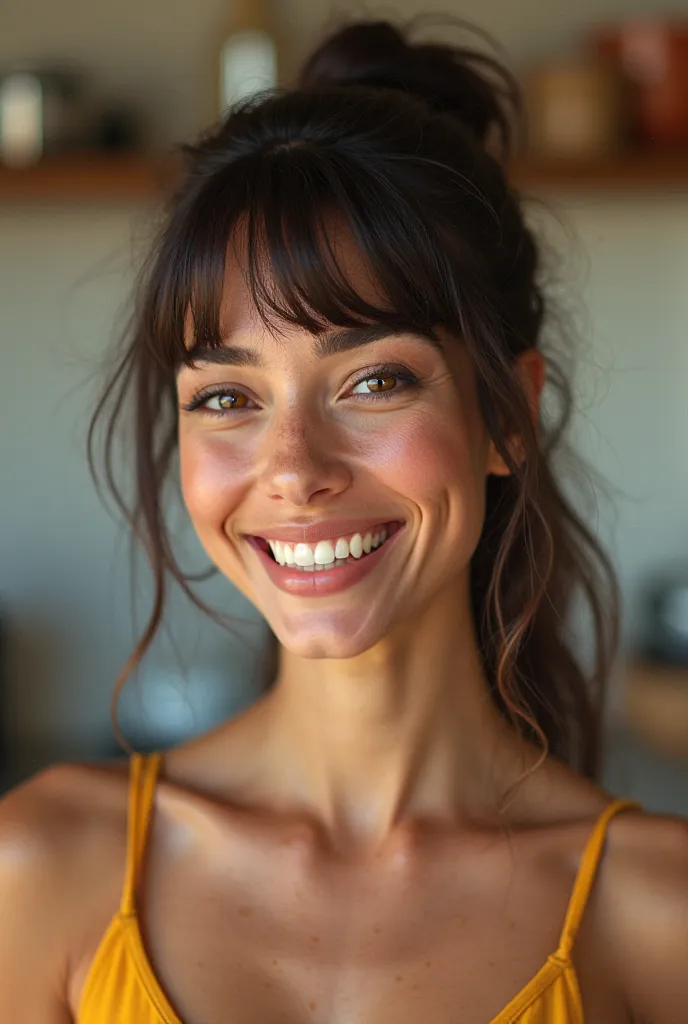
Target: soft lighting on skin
x,y
304,446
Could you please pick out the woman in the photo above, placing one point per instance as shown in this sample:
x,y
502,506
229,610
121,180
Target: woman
x,y
340,327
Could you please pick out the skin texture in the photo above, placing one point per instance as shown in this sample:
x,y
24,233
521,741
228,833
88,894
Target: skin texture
x,y
307,447
343,850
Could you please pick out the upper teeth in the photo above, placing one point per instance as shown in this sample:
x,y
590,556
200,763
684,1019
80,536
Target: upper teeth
x,y
327,551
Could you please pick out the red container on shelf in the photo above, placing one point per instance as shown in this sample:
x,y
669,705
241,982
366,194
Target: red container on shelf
x,y
653,59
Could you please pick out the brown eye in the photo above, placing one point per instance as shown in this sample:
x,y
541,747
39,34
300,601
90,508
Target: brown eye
x,y
382,383
228,400
376,384
219,402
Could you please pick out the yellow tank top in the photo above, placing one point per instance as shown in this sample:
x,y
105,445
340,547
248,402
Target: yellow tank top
x,y
121,986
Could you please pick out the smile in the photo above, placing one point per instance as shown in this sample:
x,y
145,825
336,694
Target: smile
x,y
327,554
328,566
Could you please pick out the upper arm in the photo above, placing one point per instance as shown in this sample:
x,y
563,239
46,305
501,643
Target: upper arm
x,y
651,929
34,920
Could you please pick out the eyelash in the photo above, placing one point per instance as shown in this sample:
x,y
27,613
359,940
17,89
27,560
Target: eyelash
x,y
409,380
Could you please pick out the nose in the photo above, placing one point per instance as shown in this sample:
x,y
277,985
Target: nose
x,y
303,463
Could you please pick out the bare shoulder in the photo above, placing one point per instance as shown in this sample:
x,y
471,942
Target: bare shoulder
x,y
644,891
52,815
58,831
649,856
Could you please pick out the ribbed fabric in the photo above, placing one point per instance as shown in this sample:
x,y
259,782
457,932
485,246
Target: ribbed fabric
x,y
121,987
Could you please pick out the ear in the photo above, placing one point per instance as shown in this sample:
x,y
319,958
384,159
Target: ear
x,y
530,368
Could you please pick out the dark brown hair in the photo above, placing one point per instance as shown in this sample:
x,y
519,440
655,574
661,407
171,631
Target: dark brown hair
x,y
408,142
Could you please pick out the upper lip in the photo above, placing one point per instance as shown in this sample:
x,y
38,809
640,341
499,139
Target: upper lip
x,y
325,529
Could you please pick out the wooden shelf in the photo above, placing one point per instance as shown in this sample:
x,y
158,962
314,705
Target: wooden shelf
x,y
105,178
86,177
633,173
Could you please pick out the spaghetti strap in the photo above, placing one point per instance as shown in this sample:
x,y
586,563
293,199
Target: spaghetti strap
x,y
586,875
143,773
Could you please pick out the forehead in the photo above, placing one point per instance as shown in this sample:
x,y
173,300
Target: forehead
x,y
340,303
247,339
238,311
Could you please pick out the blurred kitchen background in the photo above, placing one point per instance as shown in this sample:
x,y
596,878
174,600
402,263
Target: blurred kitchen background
x,y
91,98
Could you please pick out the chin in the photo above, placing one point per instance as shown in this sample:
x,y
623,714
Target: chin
x,y
340,637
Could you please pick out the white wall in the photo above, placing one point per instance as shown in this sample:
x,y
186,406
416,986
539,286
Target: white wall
x,y
64,274
625,279
64,581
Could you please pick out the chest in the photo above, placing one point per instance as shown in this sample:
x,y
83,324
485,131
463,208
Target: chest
x,y
286,937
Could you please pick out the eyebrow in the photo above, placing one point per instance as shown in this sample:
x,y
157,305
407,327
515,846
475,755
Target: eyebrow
x,y
329,344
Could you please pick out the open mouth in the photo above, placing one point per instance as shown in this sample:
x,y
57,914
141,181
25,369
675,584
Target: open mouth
x,y
327,554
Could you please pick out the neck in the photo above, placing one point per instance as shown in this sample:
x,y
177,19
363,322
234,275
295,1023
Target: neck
x,y
404,731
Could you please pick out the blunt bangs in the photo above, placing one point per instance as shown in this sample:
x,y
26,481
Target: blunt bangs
x,y
281,210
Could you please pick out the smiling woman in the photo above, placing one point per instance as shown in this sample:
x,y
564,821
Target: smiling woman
x,y
362,208
338,343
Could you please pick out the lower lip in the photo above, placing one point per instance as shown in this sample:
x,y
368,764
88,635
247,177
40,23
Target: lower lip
x,y
324,581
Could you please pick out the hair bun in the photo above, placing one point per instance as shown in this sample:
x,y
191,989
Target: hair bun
x,y
474,87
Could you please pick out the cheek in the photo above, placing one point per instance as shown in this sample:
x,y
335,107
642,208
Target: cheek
x,y
214,476
429,455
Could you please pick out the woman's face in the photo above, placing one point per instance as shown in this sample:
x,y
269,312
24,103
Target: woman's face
x,y
332,441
